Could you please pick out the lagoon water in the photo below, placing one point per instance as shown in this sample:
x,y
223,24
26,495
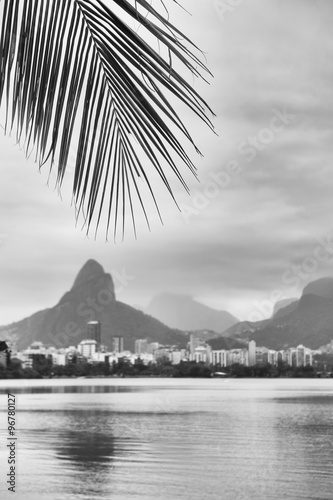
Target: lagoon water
x,y
142,439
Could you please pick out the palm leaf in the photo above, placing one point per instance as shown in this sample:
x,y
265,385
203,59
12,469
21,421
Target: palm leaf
x,y
74,73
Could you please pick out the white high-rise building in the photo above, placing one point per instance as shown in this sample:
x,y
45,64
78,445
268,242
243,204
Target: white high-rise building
x,y
303,356
252,353
219,357
141,346
117,344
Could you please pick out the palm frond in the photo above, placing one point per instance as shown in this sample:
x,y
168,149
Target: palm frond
x,y
75,73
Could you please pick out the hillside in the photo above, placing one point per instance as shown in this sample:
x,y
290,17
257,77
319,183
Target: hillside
x,y
308,321
284,306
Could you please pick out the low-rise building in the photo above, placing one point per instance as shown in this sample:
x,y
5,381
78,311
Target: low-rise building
x,y
87,348
237,356
202,354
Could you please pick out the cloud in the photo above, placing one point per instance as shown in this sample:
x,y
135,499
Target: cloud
x,y
264,56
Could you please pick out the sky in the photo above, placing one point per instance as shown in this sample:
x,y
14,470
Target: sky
x,y
257,227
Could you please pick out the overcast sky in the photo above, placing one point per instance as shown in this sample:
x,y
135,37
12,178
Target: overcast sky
x,y
266,191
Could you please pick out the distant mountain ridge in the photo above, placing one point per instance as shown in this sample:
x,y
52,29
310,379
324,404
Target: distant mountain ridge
x,y
184,313
322,287
92,297
308,321
284,305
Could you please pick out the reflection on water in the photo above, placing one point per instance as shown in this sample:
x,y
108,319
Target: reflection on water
x,y
190,439
81,443
72,389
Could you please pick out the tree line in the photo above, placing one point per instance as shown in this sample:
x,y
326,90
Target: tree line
x,y
43,368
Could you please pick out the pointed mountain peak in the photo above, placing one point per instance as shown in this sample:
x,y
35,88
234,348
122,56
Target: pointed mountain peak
x,y
91,269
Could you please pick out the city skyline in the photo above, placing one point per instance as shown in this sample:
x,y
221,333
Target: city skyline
x,y
250,354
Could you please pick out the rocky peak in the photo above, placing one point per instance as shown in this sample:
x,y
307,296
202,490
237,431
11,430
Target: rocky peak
x,y
91,270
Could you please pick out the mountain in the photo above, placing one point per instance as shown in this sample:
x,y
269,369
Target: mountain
x,y
92,297
322,288
184,313
284,306
243,328
308,321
